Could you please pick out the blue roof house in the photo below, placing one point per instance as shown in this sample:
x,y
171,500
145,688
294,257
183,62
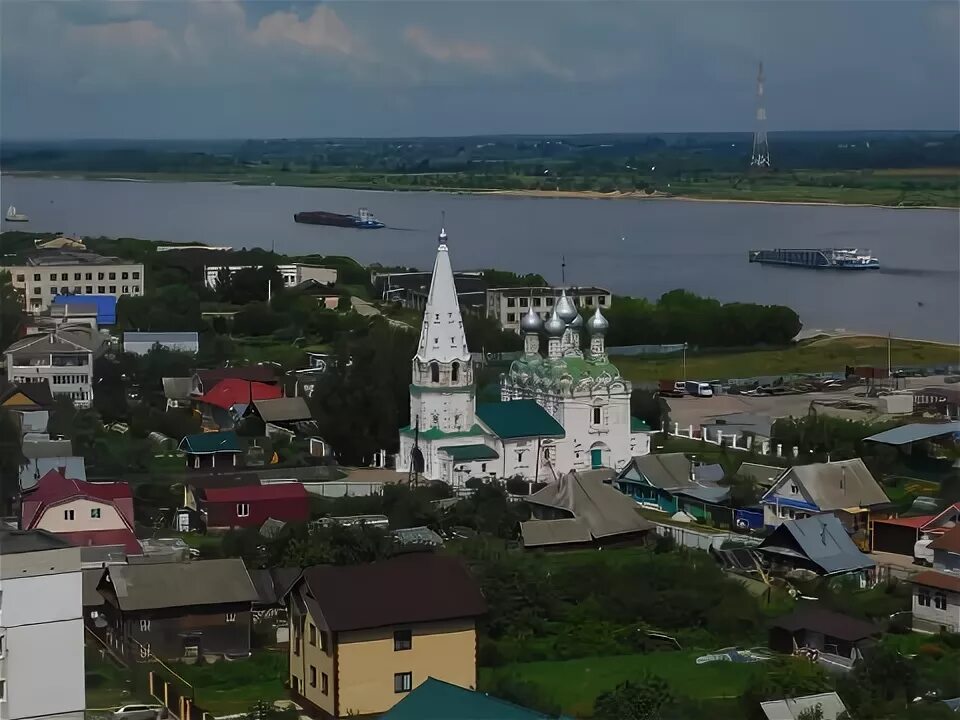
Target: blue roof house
x,y
671,482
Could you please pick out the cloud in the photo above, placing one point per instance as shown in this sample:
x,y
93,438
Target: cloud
x,y
321,32
131,33
444,51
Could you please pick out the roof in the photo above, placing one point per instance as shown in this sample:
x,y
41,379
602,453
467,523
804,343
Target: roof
x,y
917,521
37,392
517,419
250,373
915,431
823,540
35,468
53,488
418,537
811,616
602,511
212,442
437,700
13,542
835,485
272,584
942,581
764,475
257,493
442,338
227,393
74,340
949,541
409,588
160,337
465,453
34,449
282,409
125,538
221,480
830,704
91,579
181,584
106,305
567,531
671,472
177,388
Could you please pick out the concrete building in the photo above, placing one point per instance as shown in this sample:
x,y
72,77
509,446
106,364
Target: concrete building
x,y
292,273
41,628
509,305
49,273
63,357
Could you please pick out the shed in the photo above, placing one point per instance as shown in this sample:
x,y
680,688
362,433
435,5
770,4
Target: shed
x,y
253,505
813,626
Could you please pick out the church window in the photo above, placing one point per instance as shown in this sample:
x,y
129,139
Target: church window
x,y
455,371
434,372
511,317
511,302
597,415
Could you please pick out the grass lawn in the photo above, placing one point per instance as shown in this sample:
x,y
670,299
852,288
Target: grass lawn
x,y
108,685
575,684
226,688
808,356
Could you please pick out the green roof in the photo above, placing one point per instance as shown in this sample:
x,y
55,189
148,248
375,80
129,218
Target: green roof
x,y
638,425
212,442
463,453
437,700
517,419
437,434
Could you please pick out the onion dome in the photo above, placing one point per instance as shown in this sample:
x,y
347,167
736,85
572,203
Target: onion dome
x,y
531,322
577,323
597,325
555,326
565,309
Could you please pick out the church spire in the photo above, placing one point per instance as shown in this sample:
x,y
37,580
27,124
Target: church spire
x,y
442,338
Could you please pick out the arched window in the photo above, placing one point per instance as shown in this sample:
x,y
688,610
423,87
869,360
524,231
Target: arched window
x,y
434,373
455,372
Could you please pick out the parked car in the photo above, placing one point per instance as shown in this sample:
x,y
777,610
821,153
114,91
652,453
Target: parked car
x,y
137,712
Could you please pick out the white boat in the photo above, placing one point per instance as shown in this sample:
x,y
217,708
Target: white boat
x,y
14,216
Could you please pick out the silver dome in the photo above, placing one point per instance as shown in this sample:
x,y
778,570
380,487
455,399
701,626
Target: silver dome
x,y
555,326
577,323
565,308
597,325
531,322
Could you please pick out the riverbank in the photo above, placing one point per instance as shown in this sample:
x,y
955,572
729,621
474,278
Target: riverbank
x,y
759,190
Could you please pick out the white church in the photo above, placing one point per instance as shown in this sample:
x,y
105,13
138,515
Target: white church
x,y
561,410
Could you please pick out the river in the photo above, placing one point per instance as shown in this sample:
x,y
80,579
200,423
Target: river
x,y
634,247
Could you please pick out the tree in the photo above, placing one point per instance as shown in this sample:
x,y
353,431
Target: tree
x,y
643,699
784,677
11,310
11,460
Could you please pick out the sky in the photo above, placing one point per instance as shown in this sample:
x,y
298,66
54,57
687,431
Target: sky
x,y
184,69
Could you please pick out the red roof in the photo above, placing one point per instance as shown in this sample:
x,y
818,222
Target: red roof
x,y
258,373
227,393
942,581
915,522
54,488
949,541
253,493
86,538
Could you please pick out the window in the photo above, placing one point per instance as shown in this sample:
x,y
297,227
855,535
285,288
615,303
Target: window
x,y
144,651
136,289
64,276
511,317
402,639
53,276
20,278
483,467
64,290
243,509
76,276
313,634
323,641
597,416
511,302
102,289
68,514
402,682
940,601
88,276
455,372
125,289
794,489
53,291
36,277
124,275
524,302
191,651
136,275
3,690
537,302
230,617
144,626
99,276
602,299
38,291
113,289
313,676
95,513
923,597
113,276
324,684
76,289
89,289
434,372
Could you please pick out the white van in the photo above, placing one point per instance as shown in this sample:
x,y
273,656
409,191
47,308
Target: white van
x,y
698,389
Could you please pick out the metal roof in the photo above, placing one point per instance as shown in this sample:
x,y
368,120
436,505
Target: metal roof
x,y
915,431
178,584
823,540
830,704
437,700
517,419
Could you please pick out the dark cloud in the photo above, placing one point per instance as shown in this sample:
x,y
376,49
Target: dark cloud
x,y
192,68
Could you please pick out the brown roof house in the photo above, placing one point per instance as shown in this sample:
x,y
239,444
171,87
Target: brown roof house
x,y
580,510
177,610
363,636
839,640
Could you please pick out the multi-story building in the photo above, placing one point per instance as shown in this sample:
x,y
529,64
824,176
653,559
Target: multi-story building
x,y
63,357
53,272
509,305
41,628
292,273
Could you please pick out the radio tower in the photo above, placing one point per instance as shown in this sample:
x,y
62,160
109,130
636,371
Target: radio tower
x,y
760,157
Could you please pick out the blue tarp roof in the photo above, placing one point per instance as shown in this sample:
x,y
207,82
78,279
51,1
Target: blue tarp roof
x,y
106,305
915,431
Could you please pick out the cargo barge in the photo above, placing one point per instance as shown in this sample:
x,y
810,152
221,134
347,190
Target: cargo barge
x,y
363,220
822,258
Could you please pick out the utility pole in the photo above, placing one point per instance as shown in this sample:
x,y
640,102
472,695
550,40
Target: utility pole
x,y
684,362
889,358
760,156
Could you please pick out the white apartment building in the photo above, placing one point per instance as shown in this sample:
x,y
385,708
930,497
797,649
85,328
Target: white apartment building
x,y
292,273
49,273
41,628
509,305
62,356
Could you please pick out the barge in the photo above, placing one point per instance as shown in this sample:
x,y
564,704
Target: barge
x,y
364,219
818,258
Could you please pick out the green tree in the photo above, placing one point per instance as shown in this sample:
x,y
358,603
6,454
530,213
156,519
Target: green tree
x,y
11,460
645,698
11,310
784,677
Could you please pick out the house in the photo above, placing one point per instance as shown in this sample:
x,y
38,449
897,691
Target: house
x,y
140,343
41,627
364,636
763,476
830,705
819,544
207,451
845,488
439,700
285,415
62,358
580,511
900,535
671,482
178,610
841,637
271,585
936,601
946,550
229,400
205,380
251,505
71,466
29,396
83,513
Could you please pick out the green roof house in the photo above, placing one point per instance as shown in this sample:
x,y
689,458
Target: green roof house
x,y
212,450
437,700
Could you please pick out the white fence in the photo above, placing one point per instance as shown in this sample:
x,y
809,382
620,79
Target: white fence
x,y
733,441
335,488
699,539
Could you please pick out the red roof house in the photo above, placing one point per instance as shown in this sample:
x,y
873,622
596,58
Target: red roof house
x,y
899,535
205,380
227,393
83,512
251,505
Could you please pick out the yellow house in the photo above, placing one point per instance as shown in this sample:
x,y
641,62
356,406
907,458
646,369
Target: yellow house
x,y
363,636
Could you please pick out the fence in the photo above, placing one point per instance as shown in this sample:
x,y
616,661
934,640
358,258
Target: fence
x,y
630,350
734,441
698,539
